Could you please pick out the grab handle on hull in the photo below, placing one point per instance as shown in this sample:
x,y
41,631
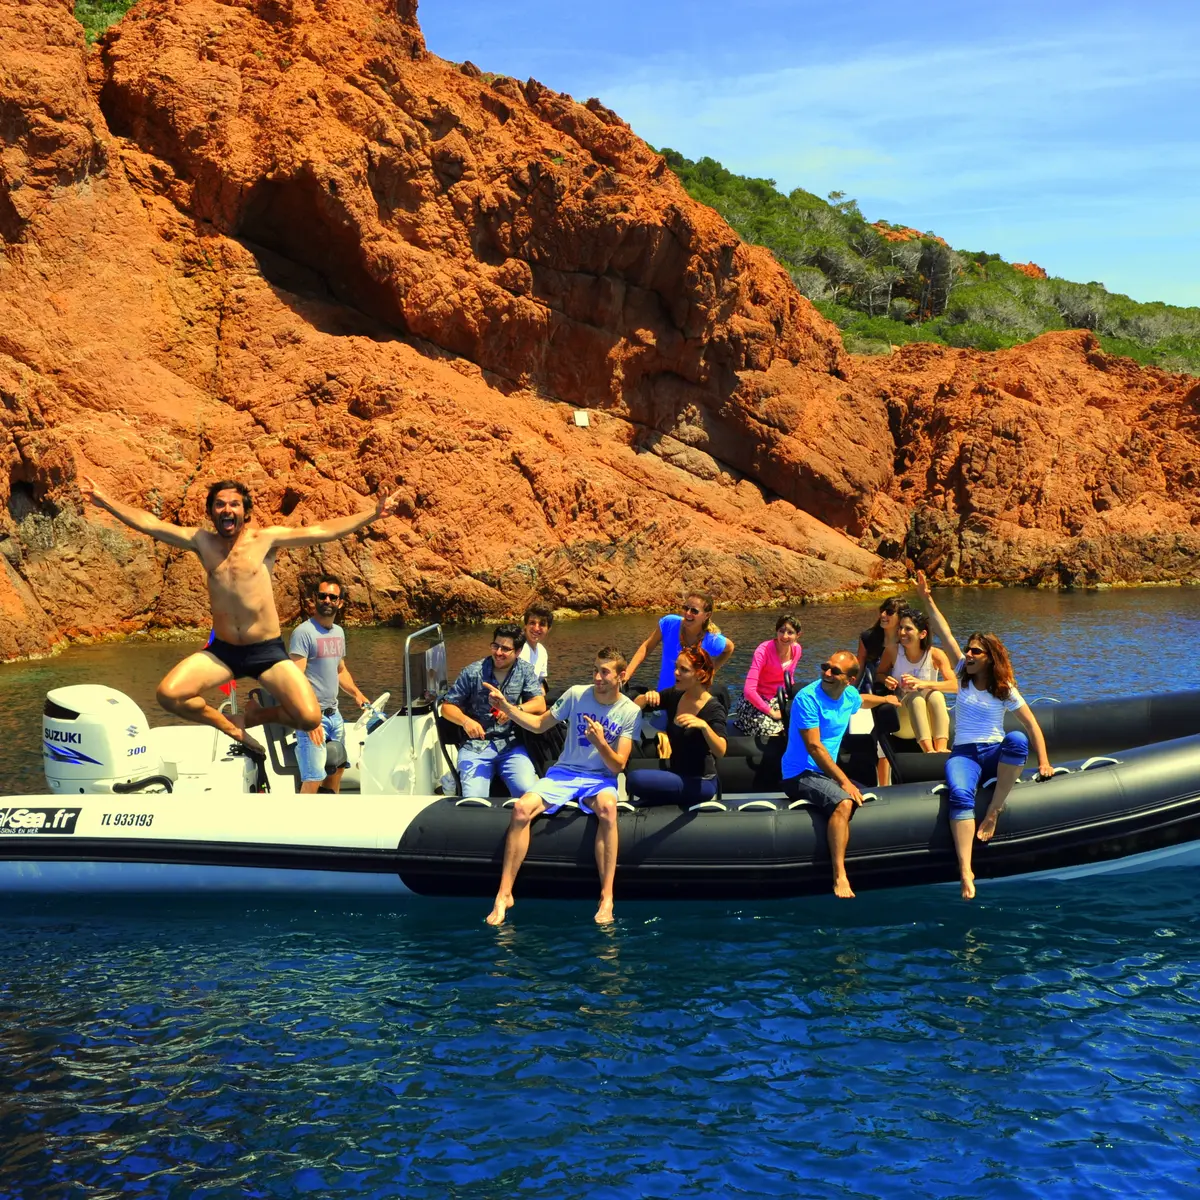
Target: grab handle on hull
x,y
136,785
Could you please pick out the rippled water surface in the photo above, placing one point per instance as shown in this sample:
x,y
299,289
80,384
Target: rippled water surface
x,y
1038,1043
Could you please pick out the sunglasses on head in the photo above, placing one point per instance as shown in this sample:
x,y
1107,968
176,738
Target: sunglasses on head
x,y
975,652
830,669
503,649
690,610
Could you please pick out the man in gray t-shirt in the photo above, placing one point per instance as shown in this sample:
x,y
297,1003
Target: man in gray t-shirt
x,y
601,728
318,647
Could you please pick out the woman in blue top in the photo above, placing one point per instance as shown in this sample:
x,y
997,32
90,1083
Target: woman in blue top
x,y
691,626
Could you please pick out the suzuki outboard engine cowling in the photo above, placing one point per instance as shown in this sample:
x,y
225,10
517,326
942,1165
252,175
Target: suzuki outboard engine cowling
x,y
95,739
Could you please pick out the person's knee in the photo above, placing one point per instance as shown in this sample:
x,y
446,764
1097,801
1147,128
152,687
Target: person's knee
x,y
307,717
525,809
1014,746
170,696
843,810
605,807
961,806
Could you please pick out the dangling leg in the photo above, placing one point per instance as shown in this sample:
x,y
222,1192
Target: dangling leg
x,y
962,778
516,846
605,808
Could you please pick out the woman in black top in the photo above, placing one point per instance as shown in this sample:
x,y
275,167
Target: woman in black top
x,y
877,648
695,731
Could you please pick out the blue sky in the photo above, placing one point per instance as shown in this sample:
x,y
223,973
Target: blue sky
x,y
1057,132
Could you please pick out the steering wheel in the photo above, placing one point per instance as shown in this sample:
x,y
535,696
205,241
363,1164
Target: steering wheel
x,y
374,709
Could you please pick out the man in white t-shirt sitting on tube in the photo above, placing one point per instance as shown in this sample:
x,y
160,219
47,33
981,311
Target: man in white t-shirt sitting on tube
x,y
601,728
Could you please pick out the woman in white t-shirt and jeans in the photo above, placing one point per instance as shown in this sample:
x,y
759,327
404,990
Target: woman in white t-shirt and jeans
x,y
986,691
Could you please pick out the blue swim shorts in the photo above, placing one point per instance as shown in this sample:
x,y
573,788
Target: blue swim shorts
x,y
560,785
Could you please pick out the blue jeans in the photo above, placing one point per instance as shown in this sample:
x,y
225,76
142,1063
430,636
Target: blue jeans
x,y
968,764
665,787
476,768
311,759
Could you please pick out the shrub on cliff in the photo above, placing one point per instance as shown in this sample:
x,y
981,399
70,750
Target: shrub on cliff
x,y
97,15
885,285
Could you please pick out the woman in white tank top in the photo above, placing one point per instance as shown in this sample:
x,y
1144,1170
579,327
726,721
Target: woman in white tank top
x,y
922,675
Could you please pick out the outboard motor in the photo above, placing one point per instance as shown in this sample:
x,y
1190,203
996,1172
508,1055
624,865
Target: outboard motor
x,y
95,739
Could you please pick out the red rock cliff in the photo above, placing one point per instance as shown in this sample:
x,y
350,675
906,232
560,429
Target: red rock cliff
x,y
280,240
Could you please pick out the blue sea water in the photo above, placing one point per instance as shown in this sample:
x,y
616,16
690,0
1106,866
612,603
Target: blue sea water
x,y
1041,1041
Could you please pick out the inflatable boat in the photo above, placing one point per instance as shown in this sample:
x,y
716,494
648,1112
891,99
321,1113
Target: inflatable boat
x,y
175,809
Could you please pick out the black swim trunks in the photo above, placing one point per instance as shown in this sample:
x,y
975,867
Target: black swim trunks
x,y
250,660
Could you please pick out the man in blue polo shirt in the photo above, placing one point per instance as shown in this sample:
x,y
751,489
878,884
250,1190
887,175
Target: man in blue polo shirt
x,y
492,743
820,716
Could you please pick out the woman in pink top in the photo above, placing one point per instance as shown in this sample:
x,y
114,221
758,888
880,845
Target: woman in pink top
x,y
758,714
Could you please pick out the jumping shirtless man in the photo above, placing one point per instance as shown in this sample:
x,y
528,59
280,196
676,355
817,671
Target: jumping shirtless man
x,y
238,560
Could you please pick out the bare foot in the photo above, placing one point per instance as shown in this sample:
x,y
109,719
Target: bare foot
x,y
252,713
604,914
988,825
841,888
250,745
500,909
968,886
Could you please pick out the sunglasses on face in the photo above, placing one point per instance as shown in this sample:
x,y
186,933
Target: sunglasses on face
x,y
975,652
691,612
830,669
499,649
330,597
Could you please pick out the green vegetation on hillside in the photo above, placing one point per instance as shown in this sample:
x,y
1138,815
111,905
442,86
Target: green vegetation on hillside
x,y
883,293
97,15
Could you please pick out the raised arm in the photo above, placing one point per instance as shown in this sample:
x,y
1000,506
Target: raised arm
x,y
937,622
137,518
329,531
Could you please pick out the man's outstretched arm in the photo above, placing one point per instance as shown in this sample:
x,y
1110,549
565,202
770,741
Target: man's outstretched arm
x,y
137,518
328,531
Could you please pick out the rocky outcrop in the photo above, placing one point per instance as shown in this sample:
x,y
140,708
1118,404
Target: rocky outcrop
x,y
1052,463
284,242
